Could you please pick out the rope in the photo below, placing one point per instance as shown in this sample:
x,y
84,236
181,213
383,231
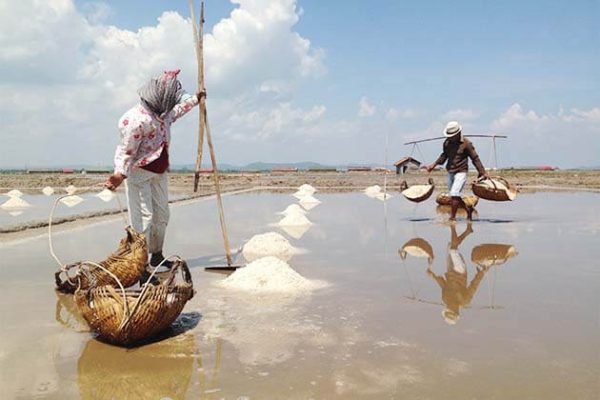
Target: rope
x,y
51,217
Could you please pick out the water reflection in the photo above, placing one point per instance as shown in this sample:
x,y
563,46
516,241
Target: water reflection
x,y
171,368
457,291
67,313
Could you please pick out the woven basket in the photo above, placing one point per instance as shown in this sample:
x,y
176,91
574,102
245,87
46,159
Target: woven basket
x,y
417,196
444,199
417,247
490,254
127,264
495,189
125,316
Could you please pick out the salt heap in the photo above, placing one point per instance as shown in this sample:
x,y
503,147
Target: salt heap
x,y
309,202
269,275
14,193
70,189
295,231
383,196
372,191
292,209
48,191
15,204
71,201
294,220
306,188
268,244
106,195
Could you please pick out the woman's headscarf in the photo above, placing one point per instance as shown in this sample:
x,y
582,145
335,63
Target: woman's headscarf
x,y
162,92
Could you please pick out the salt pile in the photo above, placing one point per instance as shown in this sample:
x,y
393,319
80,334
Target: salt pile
x,y
309,202
106,195
268,244
48,191
15,204
383,196
295,231
71,201
14,193
294,220
269,275
372,191
306,188
292,209
70,189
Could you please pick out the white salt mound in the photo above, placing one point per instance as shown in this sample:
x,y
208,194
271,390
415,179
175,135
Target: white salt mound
x,y
106,195
306,188
294,220
416,191
309,206
268,244
300,194
372,191
293,209
269,275
307,200
14,193
383,196
295,231
15,204
71,201
48,191
70,189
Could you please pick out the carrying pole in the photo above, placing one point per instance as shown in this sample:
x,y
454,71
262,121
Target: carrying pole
x,y
198,39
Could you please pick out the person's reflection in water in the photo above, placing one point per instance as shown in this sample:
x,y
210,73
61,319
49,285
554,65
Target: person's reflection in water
x,y
455,291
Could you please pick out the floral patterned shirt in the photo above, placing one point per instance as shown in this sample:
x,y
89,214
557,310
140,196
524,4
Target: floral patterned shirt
x,y
143,135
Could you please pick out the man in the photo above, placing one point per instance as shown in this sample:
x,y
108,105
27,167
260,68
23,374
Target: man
x,y
455,291
142,157
456,151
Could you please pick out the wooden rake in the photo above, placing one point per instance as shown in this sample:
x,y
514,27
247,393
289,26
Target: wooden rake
x,y
204,127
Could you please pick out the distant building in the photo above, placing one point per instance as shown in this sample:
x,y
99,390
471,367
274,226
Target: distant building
x,y
285,169
359,169
403,164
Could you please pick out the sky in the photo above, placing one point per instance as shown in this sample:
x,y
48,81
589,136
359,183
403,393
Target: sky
x,y
335,82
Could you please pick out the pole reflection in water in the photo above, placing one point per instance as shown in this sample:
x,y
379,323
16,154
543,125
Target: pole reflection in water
x,y
457,291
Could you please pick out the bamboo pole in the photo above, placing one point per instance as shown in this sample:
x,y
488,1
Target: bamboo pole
x,y
204,127
198,32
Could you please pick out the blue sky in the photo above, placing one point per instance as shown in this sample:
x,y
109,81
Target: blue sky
x,y
528,69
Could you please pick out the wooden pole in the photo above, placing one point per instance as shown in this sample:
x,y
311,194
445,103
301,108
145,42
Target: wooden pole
x,y
198,39
198,32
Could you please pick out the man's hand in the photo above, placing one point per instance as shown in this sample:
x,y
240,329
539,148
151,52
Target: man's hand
x,y
485,175
114,181
430,168
201,94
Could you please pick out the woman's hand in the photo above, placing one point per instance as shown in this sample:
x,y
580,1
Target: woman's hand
x,y
201,94
114,181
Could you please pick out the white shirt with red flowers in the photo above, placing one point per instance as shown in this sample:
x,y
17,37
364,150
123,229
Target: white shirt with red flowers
x,y
143,135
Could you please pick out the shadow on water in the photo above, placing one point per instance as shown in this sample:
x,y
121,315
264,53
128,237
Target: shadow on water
x,y
456,290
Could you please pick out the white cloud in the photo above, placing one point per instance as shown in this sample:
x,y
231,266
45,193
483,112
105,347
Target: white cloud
x,y
66,77
365,109
393,114
461,115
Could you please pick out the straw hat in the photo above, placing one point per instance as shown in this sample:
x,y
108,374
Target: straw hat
x,y
452,128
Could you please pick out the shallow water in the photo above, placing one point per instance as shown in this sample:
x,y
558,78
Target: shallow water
x,y
525,326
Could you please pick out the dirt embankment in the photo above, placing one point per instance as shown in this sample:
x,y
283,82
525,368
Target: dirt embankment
x,y
324,181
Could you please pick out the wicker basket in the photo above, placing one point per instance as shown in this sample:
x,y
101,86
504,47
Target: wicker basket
x,y
495,189
127,264
125,316
417,196
417,247
444,199
490,254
